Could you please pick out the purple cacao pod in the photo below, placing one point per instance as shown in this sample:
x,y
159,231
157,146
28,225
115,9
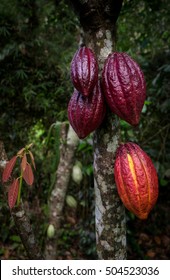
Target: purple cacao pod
x,y
86,113
84,71
124,87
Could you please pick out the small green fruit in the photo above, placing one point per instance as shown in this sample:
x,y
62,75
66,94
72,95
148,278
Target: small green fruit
x,y
71,202
50,231
77,175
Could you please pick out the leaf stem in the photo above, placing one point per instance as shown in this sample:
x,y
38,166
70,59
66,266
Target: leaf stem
x,y
19,192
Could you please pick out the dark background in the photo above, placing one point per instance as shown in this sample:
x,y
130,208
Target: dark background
x,y
37,42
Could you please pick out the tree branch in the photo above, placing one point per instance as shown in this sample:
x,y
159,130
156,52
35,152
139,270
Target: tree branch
x,y
25,231
22,221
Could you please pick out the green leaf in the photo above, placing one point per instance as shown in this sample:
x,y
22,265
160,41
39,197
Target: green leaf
x,y
147,102
15,238
20,74
144,109
163,182
124,124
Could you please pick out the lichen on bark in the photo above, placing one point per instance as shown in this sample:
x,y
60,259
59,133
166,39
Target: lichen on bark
x,y
109,211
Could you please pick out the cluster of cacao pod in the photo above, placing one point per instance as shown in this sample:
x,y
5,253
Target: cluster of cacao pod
x,y
123,89
86,109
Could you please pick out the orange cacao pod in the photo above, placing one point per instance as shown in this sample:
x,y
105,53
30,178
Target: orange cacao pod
x,y
124,86
84,71
86,113
136,179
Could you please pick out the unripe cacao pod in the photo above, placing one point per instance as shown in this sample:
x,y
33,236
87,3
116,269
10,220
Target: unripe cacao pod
x,y
77,175
78,163
71,202
136,179
86,113
84,71
50,231
124,86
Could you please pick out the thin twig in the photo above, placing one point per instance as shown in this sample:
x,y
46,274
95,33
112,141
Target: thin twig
x,y
158,132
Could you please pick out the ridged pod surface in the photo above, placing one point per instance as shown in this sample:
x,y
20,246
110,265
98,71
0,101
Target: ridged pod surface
x,y
124,86
84,70
86,113
136,179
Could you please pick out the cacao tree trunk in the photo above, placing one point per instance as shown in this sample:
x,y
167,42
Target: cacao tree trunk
x,y
98,19
68,146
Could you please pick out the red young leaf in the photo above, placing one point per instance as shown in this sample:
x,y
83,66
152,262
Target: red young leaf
x,y
32,159
28,175
8,169
24,163
13,193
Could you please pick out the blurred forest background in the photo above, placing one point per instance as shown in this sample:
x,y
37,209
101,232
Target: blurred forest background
x,y
37,41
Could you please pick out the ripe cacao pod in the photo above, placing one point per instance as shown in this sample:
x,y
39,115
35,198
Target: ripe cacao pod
x,y
86,113
124,86
84,71
136,179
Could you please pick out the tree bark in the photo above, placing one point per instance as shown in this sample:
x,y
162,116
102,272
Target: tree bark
x,y
98,20
110,212
69,142
22,221
25,231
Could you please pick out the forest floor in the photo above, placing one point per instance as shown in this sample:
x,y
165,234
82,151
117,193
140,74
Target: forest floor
x,y
149,239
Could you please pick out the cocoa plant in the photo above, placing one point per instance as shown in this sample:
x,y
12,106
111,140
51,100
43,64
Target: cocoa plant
x,y
26,174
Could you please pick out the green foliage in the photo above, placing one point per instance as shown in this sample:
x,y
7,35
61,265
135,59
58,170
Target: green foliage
x,y
149,34
35,52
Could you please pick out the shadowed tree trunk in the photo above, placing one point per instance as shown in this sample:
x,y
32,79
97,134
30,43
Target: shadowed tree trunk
x,y
68,146
98,19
